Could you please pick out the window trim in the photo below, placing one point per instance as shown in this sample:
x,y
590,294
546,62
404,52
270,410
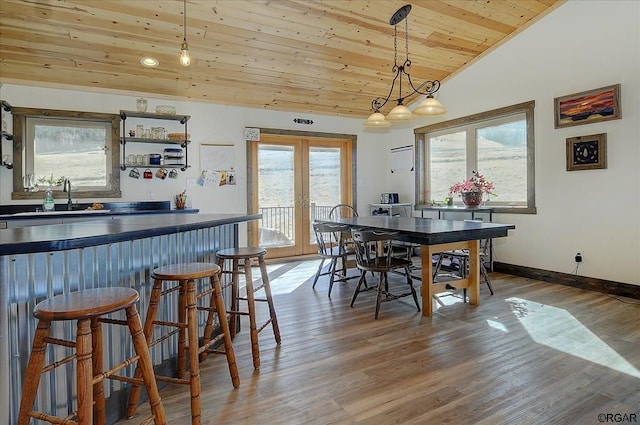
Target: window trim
x,y
421,146
19,150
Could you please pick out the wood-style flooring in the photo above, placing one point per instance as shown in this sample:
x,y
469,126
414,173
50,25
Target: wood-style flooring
x,y
533,353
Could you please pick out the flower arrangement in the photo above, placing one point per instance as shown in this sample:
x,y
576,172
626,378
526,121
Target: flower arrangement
x,y
476,183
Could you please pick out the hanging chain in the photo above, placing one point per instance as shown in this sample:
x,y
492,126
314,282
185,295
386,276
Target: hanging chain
x,y
395,44
406,37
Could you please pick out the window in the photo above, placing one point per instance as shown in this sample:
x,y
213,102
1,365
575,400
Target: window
x,y
52,145
499,144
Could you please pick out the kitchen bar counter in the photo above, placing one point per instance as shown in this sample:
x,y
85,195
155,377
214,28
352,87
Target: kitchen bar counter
x,y
99,231
39,262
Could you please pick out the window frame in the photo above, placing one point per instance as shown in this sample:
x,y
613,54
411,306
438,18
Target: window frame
x,y
20,116
421,137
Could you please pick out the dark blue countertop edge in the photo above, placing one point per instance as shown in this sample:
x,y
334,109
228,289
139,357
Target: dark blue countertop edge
x,y
79,213
7,212
60,237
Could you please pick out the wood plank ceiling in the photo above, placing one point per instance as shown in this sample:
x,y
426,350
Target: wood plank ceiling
x,y
325,56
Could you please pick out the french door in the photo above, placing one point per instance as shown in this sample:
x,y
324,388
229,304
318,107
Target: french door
x,y
294,180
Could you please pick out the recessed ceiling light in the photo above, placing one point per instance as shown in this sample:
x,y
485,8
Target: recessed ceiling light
x,y
149,62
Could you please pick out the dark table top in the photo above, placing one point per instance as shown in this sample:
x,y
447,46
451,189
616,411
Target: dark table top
x,y
426,231
58,237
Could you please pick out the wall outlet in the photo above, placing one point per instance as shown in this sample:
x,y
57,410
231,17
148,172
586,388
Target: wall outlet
x,y
578,258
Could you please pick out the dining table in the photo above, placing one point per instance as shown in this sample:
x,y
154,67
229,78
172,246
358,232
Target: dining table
x,y
436,236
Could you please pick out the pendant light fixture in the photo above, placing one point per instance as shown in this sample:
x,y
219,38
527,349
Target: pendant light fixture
x,y
429,106
185,59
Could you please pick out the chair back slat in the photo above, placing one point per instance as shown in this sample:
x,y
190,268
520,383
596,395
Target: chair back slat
x,y
330,236
343,211
373,249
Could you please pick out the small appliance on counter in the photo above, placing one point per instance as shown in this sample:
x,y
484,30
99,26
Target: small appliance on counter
x,y
389,198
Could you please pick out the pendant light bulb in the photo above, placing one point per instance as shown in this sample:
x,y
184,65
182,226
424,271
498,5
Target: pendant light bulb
x,y
185,59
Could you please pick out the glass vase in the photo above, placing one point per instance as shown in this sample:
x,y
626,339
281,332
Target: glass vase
x,y
472,199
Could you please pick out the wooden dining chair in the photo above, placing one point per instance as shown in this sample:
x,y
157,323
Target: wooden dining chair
x,y
374,253
342,211
332,246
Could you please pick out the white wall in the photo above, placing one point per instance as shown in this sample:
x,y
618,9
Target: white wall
x,y
209,124
581,45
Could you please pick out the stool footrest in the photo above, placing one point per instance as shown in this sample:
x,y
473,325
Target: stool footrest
x,y
214,351
163,337
204,293
213,341
255,299
108,374
185,381
113,321
170,290
53,419
264,325
62,342
137,381
173,324
51,366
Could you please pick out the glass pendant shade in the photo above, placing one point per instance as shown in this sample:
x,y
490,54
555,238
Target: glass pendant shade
x,y
376,120
400,113
185,60
431,107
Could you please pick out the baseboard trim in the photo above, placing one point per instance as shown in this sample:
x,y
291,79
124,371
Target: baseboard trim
x,y
577,281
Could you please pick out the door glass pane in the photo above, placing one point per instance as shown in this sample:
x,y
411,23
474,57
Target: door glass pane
x,y
276,195
324,182
447,164
502,159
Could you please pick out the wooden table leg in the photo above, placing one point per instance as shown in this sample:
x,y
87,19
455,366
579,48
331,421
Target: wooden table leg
x,y
474,272
472,280
427,280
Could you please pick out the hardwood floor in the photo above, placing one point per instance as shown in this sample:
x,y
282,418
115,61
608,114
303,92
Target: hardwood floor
x,y
533,353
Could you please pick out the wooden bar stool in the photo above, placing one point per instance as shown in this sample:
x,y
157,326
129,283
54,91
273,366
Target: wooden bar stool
x,y
88,307
246,254
185,275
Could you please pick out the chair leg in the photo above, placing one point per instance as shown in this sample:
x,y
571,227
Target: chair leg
x,y
362,280
413,290
34,371
99,408
224,327
315,280
267,290
84,371
379,296
194,367
154,300
436,269
145,364
182,332
251,304
484,273
332,272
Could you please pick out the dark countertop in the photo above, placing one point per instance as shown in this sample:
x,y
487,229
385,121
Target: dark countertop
x,y
59,237
426,231
27,212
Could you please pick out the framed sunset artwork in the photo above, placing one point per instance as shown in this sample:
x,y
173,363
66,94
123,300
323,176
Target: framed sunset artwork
x,y
587,107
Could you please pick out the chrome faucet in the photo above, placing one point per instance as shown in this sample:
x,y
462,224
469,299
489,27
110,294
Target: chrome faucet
x,y
67,188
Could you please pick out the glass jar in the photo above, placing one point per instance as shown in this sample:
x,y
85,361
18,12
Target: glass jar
x,y
141,104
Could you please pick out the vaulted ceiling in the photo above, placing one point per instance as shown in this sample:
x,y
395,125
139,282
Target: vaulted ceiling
x,y
310,56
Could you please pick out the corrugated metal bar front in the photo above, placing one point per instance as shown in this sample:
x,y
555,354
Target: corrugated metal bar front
x,y
30,278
